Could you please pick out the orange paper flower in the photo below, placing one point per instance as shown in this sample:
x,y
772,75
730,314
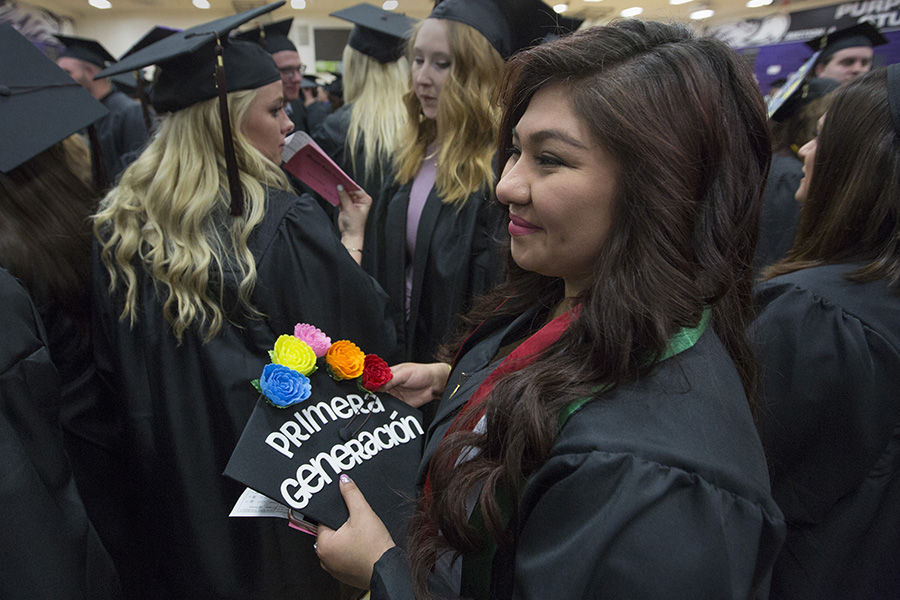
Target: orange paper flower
x,y
345,360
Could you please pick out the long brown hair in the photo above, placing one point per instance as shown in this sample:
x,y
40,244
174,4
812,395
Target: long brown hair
x,y
685,120
852,209
45,229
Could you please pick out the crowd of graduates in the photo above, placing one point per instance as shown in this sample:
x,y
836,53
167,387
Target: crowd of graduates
x,y
651,323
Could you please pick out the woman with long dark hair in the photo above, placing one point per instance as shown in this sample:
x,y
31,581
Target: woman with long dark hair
x,y
595,437
828,339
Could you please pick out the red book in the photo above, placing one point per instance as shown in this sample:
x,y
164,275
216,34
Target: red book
x,y
304,159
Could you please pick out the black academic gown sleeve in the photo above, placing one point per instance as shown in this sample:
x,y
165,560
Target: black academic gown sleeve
x,y
185,405
830,422
48,548
657,489
457,257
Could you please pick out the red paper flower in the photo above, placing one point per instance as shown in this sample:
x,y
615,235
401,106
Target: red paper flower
x,y
375,373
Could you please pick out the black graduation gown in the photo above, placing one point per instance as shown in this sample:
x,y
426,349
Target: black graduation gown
x,y
122,133
780,211
657,489
185,406
48,548
457,257
830,423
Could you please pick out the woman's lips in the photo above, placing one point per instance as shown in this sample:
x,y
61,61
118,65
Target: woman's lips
x,y
519,226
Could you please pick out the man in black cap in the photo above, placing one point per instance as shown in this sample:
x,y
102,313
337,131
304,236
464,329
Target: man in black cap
x,y
846,53
123,132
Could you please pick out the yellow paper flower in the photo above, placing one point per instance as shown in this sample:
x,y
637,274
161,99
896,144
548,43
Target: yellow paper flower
x,y
294,354
345,360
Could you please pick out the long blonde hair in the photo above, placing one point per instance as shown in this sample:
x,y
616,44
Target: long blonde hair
x,y
170,212
467,120
378,115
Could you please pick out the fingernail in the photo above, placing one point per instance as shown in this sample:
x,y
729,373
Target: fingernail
x,y
345,479
340,188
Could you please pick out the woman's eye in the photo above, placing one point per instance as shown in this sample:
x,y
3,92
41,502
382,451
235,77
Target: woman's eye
x,y
514,151
443,65
548,160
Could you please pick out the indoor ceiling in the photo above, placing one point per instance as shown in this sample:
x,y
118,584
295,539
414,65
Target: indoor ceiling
x,y
592,10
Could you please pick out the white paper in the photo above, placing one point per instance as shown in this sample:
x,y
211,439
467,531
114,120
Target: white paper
x,y
254,504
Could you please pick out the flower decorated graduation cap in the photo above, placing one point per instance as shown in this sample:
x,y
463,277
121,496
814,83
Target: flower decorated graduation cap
x,y
273,37
202,63
377,33
509,25
90,51
40,104
859,35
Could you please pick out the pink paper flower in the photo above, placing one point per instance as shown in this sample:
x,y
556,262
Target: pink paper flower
x,y
313,336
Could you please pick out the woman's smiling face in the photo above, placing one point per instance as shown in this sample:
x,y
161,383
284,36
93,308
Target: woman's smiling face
x,y
559,185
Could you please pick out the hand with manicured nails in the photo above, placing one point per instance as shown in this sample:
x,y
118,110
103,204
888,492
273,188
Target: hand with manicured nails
x,y
350,553
417,383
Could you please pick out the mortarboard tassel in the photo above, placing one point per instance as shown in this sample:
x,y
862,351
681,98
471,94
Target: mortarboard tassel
x,y
142,97
234,181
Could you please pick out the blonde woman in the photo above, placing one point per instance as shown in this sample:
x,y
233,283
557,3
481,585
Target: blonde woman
x,y
436,235
363,135
187,299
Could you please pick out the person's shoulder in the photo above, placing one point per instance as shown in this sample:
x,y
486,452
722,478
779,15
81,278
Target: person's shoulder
x,y
828,288
690,413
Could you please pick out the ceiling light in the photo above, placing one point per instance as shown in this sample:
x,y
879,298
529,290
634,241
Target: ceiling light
x,y
703,13
679,1
758,3
200,3
592,0
101,4
390,4
298,4
632,12
561,8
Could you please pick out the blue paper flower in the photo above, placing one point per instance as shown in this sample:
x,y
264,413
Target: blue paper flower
x,y
283,386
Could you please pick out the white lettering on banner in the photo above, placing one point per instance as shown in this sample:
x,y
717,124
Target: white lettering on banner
x,y
871,10
312,477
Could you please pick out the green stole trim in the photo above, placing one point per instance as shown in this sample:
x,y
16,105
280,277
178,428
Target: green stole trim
x,y
477,566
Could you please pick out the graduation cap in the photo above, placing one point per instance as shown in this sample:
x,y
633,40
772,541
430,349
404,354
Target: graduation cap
x,y
309,82
151,37
273,37
40,104
193,65
377,33
509,25
134,83
862,34
811,89
295,455
84,49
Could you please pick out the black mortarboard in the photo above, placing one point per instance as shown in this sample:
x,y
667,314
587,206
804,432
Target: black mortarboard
x,y
377,33
84,49
40,104
509,25
861,34
193,65
151,37
295,455
801,95
309,82
273,37
187,61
